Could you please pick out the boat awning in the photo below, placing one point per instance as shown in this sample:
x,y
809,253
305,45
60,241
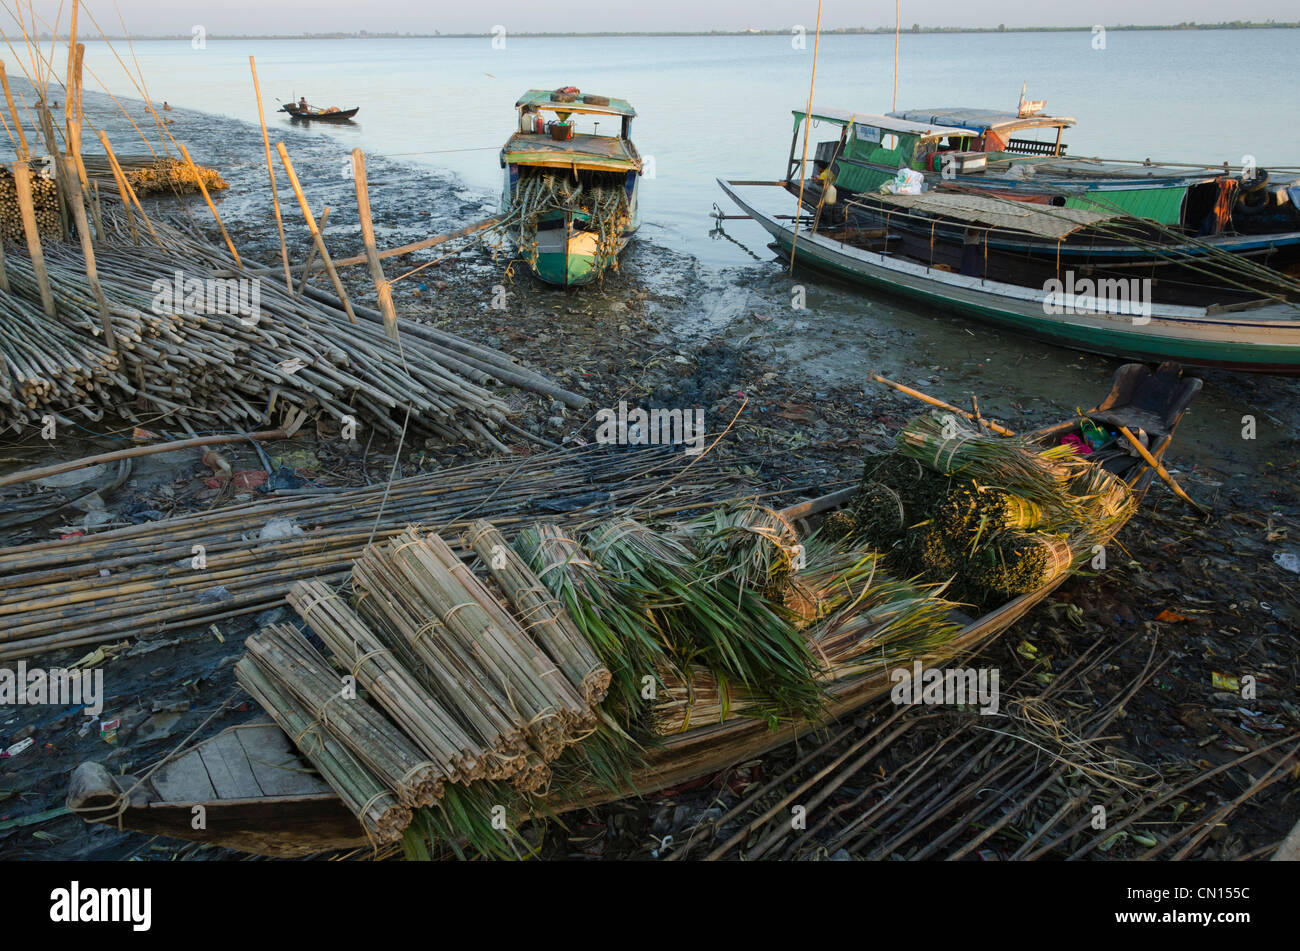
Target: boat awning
x,y
599,152
978,120
1043,221
925,130
541,99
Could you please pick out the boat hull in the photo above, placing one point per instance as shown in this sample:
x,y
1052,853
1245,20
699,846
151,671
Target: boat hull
x,y
1262,339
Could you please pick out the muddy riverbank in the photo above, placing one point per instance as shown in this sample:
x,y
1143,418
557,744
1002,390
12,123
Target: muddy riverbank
x,y
791,387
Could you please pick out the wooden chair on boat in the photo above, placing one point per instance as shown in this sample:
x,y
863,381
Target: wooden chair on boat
x,y
1152,401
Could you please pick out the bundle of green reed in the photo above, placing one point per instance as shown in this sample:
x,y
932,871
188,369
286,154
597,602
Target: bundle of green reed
x,y
606,611
701,618
888,621
945,445
975,511
751,544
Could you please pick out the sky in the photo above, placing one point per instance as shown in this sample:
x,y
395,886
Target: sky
x,y
157,17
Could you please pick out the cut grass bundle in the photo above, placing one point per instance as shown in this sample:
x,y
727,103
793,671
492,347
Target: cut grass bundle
x,y
751,544
712,621
1015,563
606,611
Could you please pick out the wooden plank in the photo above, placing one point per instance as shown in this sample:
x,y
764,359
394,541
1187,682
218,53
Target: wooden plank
x,y
184,780
228,767
276,765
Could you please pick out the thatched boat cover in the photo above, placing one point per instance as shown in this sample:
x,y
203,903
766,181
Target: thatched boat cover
x,y
1044,221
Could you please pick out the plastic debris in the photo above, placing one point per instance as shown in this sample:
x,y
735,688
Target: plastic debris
x,y
16,748
1287,561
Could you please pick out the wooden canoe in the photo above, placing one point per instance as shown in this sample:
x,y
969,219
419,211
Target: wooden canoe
x,y
255,794
1259,336
319,115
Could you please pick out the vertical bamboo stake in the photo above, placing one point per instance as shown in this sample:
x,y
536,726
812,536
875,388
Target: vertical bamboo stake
x,y
270,170
382,287
208,198
61,187
24,153
315,232
23,189
69,103
95,211
311,255
125,187
92,273
4,280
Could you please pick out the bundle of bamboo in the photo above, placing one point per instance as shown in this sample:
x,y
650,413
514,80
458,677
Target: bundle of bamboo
x,y
147,578
152,174
45,204
285,655
382,815
198,343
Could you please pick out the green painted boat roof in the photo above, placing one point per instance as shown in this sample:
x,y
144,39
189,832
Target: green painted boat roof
x,y
925,130
541,99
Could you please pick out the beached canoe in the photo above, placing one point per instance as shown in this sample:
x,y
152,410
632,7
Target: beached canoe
x,y
1115,319
257,795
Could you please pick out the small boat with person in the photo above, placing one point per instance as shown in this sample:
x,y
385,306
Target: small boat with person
x,y
570,192
302,111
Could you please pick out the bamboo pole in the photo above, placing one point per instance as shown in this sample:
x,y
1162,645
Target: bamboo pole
x,y
1161,471
382,288
917,394
52,147
311,255
88,253
465,232
44,472
315,232
23,190
123,189
24,152
270,170
203,189
4,279
125,184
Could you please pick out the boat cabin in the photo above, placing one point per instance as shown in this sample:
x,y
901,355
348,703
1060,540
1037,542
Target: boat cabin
x,y
995,131
582,132
871,149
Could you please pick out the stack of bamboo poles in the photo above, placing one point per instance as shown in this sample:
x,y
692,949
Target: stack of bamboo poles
x,y
152,174
148,578
174,358
45,204
469,690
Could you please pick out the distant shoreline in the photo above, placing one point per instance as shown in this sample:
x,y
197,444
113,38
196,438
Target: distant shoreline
x,y
914,30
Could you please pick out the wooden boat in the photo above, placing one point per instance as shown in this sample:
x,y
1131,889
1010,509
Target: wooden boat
x,y
568,250
972,162
319,115
257,795
1259,335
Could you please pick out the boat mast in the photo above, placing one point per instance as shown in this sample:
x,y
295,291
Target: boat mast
x,y
807,131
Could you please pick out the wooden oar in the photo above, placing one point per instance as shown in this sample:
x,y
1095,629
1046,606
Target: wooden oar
x,y
917,394
1162,471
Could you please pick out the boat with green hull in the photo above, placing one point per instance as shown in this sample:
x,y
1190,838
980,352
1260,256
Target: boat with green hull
x,y
570,194
1253,334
